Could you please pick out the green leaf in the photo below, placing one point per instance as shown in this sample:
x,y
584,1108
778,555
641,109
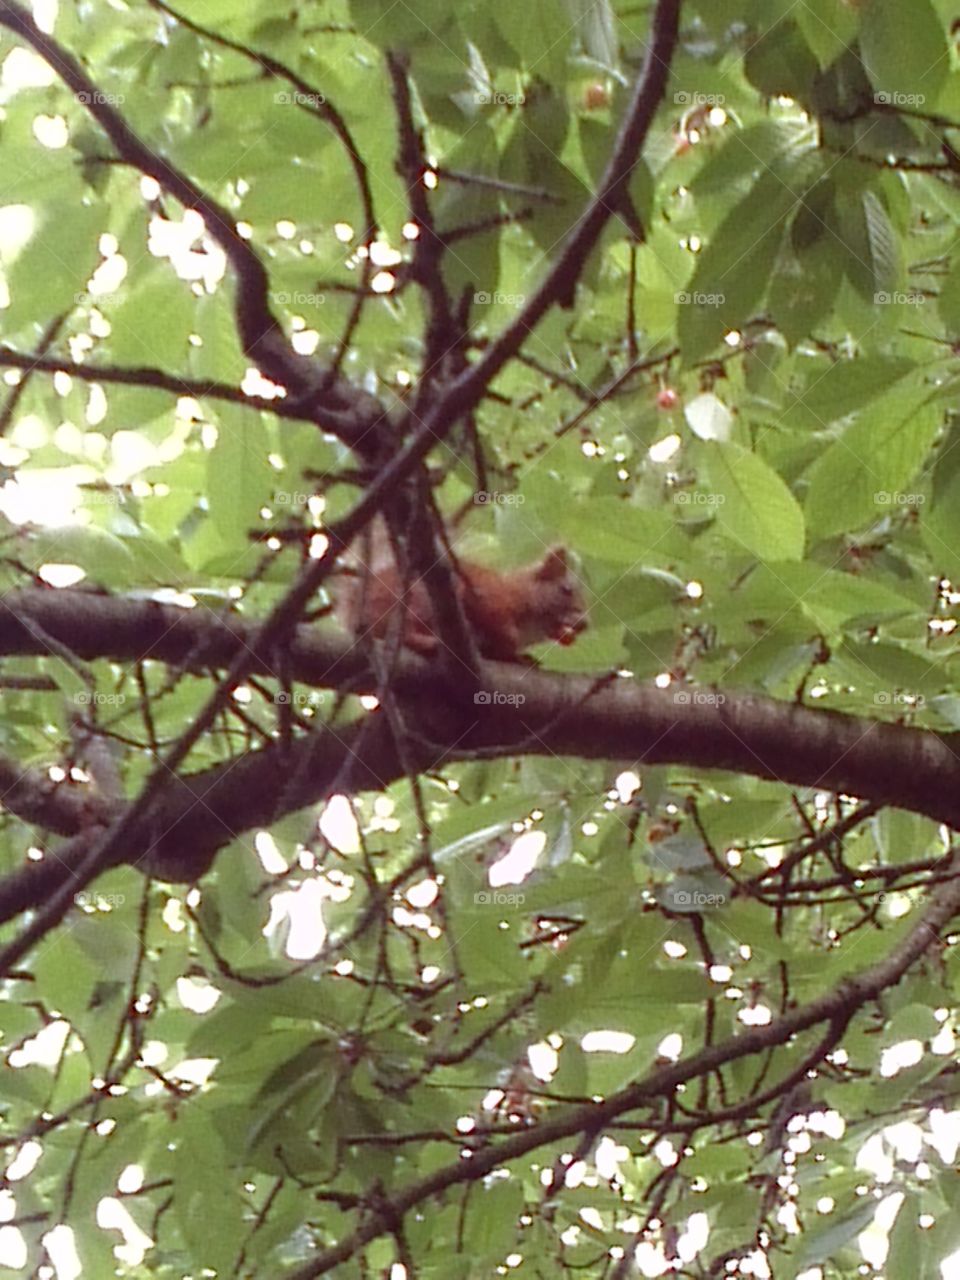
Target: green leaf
x,y
905,51
940,517
902,836
733,270
802,291
207,1206
407,26
153,322
756,508
219,356
495,1224
912,1252
828,597
531,164
948,300
476,259
240,478
309,1078
872,261
842,388
51,273
617,532
740,158
523,28
829,27
822,1242
68,975
780,63
912,1022
106,559
857,478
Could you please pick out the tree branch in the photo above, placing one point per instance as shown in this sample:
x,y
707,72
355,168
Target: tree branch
x,y
152,378
537,713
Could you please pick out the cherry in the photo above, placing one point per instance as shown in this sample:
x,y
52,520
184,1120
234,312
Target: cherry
x,y
596,96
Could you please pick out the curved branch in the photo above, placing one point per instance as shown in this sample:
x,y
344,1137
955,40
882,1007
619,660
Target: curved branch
x,y
32,796
538,713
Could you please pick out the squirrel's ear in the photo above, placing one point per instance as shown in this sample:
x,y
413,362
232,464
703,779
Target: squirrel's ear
x,y
553,564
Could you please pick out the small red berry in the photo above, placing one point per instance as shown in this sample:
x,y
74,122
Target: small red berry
x,y
595,97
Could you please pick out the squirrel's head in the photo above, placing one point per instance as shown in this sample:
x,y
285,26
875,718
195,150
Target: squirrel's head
x,y
560,597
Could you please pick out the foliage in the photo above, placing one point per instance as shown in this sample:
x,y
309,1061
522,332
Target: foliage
x,y
745,427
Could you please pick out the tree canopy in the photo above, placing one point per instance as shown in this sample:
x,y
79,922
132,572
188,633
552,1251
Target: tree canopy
x,y
320,956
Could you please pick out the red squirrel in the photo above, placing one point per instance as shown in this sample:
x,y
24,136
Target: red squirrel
x,y
508,610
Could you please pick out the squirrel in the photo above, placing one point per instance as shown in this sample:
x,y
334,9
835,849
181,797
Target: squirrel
x,y
508,610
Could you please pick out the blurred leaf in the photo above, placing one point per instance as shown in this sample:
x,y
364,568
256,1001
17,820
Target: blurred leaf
x,y
756,509
895,436
905,51
240,479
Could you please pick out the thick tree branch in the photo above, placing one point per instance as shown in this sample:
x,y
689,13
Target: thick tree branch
x,y
34,797
538,714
